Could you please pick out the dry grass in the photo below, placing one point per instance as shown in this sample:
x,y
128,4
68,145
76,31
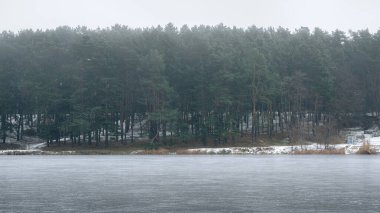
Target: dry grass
x,y
320,152
113,147
189,152
155,152
366,149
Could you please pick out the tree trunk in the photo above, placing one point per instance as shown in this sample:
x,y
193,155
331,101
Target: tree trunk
x,y
3,127
117,126
89,138
253,132
22,128
132,125
106,134
122,119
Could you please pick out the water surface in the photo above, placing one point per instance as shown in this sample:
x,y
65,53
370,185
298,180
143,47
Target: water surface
x,y
190,183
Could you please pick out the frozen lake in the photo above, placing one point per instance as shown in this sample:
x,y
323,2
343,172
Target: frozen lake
x,y
190,183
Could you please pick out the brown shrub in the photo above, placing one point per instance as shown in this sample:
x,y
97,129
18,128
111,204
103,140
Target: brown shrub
x,y
366,149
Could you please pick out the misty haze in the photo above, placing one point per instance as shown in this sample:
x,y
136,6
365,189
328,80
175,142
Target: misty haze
x,y
189,106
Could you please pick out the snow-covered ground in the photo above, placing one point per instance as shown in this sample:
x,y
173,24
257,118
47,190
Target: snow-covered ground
x,y
268,150
355,138
278,150
33,152
33,146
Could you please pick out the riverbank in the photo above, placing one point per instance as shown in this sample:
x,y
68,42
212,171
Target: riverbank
x,y
360,142
266,150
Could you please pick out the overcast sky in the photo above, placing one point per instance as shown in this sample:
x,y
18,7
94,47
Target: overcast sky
x,y
326,14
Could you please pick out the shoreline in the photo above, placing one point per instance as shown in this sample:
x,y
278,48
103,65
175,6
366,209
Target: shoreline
x,y
337,149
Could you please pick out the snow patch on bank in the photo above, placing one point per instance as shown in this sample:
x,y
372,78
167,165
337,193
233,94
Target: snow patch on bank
x,y
37,146
269,150
355,137
34,152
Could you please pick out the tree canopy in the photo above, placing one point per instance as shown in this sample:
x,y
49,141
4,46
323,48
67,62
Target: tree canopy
x,y
201,82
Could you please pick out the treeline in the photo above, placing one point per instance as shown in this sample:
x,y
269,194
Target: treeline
x,y
200,83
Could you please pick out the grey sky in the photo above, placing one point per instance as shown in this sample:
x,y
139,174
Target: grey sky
x,y
326,14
